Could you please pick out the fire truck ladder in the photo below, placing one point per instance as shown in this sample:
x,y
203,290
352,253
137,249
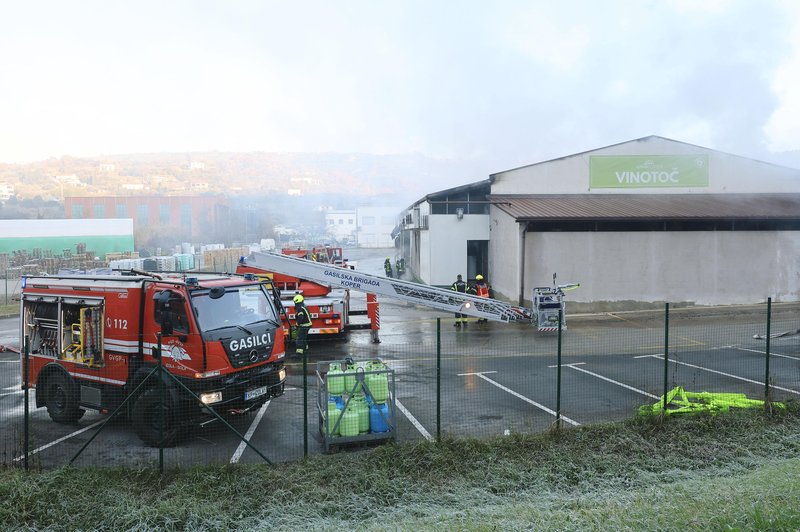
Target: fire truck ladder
x,y
438,298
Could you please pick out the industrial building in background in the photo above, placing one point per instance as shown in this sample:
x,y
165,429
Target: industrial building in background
x,y
637,223
365,227
191,216
50,238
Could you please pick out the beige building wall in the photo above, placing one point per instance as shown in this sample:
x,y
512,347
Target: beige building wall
x,y
618,270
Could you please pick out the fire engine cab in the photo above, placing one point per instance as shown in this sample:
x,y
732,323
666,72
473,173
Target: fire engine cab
x,y
93,339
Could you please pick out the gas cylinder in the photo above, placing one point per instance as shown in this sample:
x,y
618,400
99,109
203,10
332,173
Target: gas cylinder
x,y
349,424
359,404
333,415
377,383
336,380
379,418
351,384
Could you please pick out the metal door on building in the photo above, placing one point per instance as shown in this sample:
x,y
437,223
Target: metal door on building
x,y
477,258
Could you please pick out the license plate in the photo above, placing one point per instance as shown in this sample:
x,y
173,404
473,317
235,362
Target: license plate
x,y
257,392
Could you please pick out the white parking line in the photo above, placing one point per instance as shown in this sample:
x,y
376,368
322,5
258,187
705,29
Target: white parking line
x,y
68,436
249,434
413,420
764,353
515,394
722,373
12,393
425,434
631,388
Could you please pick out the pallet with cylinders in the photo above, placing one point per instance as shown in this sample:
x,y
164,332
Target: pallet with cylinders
x,y
355,401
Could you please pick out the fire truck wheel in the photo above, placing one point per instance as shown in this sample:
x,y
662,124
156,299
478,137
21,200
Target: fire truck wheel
x,y
148,413
62,399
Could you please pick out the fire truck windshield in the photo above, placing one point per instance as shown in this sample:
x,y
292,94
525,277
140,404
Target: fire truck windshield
x,y
237,307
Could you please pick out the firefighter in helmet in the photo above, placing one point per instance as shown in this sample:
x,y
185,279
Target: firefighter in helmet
x,y
302,319
464,288
387,267
481,290
400,266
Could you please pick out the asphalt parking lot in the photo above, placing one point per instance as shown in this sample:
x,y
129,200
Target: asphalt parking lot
x,y
495,379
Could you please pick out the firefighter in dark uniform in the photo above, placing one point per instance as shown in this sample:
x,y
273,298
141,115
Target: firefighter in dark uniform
x,y
400,266
481,290
464,288
387,267
302,319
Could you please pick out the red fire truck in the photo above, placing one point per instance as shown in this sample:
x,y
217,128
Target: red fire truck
x,y
329,308
93,340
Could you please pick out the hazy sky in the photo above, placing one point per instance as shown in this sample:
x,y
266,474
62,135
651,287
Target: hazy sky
x,y
503,82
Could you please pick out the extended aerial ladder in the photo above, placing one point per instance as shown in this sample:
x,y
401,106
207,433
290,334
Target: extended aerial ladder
x,y
438,298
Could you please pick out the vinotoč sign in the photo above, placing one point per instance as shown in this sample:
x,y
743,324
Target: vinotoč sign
x,y
647,171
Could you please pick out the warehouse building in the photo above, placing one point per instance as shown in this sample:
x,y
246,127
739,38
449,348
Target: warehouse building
x,y
53,237
637,224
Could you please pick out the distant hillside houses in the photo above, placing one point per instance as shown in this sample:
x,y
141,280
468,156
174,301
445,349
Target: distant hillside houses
x,y
70,179
6,191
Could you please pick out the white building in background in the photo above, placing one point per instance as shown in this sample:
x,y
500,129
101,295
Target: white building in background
x,y
445,234
6,191
639,223
374,227
341,225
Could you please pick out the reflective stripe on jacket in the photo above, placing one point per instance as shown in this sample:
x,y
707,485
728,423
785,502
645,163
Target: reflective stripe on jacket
x,y
302,316
460,286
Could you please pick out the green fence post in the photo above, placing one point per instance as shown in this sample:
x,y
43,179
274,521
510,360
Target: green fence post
x,y
305,402
666,356
438,379
26,369
766,363
558,374
161,408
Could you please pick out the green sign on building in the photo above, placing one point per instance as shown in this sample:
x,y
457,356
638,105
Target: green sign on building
x,y
647,171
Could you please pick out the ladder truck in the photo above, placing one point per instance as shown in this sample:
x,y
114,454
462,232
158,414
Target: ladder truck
x,y
329,308
438,298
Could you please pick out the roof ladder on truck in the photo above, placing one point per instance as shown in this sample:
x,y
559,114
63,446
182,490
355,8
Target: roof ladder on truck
x,y
439,298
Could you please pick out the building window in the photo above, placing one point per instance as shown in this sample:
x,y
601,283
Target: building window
x,y
141,213
350,221
330,222
186,216
122,210
368,220
99,211
341,221
163,213
77,211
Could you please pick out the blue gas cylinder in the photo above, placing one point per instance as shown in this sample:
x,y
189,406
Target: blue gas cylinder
x,y
379,418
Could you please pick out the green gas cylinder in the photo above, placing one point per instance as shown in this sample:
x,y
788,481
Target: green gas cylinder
x,y
335,379
377,383
333,417
351,382
359,404
349,423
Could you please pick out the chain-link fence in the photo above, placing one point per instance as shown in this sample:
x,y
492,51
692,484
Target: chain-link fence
x,y
11,286
425,380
